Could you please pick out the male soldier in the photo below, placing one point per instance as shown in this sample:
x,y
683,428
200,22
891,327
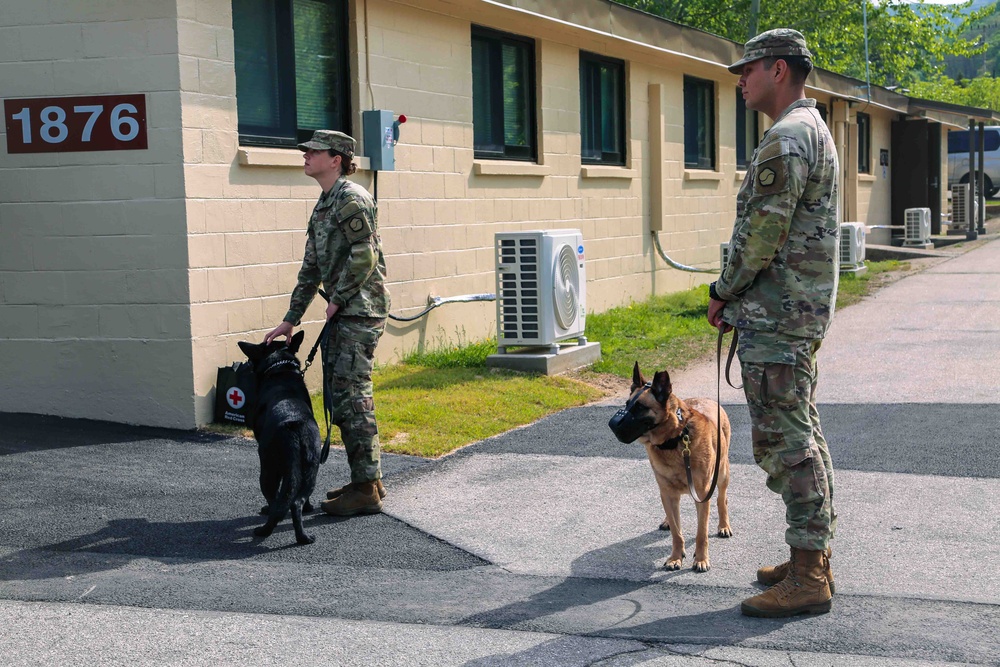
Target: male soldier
x,y
778,290
343,251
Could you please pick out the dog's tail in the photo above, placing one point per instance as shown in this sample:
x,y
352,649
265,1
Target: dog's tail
x,y
297,483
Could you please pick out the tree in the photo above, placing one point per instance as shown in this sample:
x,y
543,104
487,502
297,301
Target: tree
x,y
907,42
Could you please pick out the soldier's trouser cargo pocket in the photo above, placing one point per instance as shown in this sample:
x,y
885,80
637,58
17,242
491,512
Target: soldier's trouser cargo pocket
x,y
789,447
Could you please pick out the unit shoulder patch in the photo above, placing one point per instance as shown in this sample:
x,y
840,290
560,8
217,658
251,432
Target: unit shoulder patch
x,y
357,229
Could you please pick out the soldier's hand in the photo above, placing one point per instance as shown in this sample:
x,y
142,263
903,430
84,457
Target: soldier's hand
x,y
283,329
331,309
715,308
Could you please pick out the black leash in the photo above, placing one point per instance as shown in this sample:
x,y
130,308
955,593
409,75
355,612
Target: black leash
x,y
685,436
327,408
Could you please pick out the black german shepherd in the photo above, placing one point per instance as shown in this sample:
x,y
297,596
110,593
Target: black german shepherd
x,y
288,440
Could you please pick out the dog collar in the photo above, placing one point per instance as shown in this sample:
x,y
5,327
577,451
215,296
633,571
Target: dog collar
x,y
284,362
673,442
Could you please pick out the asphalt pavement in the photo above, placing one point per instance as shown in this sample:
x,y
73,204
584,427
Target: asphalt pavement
x,y
130,545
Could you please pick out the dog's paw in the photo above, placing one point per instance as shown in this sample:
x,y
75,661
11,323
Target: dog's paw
x,y
701,566
665,526
262,531
725,532
305,538
672,565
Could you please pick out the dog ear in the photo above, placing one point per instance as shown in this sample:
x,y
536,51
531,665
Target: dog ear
x,y
296,341
252,350
661,387
637,379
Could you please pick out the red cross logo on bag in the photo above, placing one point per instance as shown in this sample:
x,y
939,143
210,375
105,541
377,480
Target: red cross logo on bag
x,y
235,398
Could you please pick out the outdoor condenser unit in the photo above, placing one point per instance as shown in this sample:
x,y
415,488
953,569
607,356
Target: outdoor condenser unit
x,y
852,246
963,207
917,230
541,288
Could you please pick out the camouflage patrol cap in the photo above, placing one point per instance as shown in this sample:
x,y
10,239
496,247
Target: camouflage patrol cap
x,y
777,42
323,140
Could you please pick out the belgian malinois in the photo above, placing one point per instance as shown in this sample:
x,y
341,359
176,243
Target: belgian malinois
x,y
666,425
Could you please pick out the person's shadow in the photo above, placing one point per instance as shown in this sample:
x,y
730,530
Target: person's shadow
x,y
720,623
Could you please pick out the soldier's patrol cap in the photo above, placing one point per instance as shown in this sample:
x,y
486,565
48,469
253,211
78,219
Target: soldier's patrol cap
x,y
324,140
777,42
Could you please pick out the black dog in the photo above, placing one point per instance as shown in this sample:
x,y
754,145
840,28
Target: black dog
x,y
288,440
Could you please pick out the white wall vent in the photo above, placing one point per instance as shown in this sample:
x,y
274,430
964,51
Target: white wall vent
x,y
541,288
917,226
723,256
852,246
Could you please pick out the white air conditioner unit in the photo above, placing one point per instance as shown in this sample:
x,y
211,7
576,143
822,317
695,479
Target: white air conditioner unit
x,y
917,226
723,256
541,288
963,207
852,247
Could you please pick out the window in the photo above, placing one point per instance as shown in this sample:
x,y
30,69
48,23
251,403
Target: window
x,y
821,108
699,123
602,109
958,141
503,95
291,69
747,132
864,143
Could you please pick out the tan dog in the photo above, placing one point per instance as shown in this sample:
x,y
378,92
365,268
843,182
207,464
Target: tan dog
x,y
667,417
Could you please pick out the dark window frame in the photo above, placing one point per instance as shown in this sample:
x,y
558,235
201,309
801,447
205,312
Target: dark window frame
x,y
705,143
286,132
744,152
592,108
864,143
496,40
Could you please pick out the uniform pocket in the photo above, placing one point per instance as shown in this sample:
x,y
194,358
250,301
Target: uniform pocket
x,y
799,475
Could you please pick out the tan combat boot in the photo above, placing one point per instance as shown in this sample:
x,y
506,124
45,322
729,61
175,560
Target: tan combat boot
x,y
359,498
333,493
804,591
772,574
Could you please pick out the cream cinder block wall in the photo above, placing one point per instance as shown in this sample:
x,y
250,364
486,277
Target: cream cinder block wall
x,y
93,253
875,189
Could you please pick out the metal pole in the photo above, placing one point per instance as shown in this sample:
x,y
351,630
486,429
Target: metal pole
x,y
970,202
754,13
981,173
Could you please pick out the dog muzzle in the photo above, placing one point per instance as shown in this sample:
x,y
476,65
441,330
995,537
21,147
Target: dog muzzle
x,y
626,427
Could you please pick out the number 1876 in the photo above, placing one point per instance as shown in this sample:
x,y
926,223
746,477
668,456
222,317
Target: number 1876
x,y
113,122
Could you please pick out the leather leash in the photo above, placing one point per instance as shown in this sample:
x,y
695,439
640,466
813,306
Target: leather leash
x,y
686,438
327,407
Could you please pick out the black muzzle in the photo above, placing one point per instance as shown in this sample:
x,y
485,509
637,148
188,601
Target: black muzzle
x,y
625,425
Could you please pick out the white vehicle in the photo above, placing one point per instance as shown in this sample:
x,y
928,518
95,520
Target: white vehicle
x,y
958,158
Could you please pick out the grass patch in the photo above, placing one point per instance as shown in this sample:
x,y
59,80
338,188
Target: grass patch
x,y
661,332
429,411
854,287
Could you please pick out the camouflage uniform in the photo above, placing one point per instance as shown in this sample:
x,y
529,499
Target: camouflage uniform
x,y
780,285
344,252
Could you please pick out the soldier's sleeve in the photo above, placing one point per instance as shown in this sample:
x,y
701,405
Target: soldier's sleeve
x,y
780,174
308,283
358,224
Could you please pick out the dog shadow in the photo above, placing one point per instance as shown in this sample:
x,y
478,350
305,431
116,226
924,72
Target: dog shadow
x,y
125,540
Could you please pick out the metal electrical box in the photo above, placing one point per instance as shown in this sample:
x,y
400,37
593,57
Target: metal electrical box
x,y
380,139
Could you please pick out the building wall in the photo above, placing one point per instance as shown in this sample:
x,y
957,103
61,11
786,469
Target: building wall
x,y
128,277
874,188
94,320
